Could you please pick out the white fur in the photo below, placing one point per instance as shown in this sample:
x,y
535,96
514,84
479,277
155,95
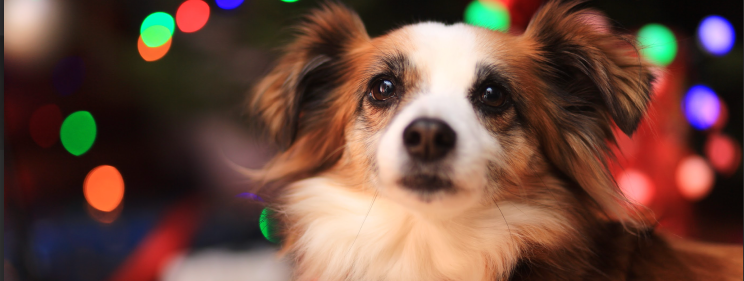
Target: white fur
x,y
395,243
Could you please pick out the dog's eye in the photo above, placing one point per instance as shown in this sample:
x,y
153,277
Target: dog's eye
x,y
382,90
492,96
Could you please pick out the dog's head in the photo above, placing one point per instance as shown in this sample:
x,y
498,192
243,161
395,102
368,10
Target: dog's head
x,y
441,117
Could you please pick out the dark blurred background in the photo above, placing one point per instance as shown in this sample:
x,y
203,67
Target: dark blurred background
x,y
172,127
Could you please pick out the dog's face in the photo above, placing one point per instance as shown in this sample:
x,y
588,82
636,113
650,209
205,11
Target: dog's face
x,y
437,116
441,117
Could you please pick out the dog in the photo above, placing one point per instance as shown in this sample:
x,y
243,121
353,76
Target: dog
x,y
454,152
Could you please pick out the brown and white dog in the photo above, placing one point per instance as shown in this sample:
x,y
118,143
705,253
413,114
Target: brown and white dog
x,y
453,152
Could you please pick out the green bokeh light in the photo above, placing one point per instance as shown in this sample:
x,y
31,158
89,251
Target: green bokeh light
x,y
156,36
267,225
159,18
658,44
289,1
491,15
78,132
157,28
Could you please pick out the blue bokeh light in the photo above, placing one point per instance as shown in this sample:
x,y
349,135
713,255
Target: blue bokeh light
x,y
229,4
701,107
716,35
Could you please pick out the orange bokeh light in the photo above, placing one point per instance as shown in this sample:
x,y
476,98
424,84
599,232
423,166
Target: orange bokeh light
x,y
152,54
104,188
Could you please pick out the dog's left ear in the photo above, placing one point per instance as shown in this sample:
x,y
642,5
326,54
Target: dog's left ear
x,y
600,68
588,78
293,100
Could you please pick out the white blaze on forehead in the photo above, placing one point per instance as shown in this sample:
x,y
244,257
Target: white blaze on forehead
x,y
445,59
446,56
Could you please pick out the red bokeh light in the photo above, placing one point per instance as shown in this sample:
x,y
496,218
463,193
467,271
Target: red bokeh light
x,y
723,152
44,125
637,186
520,11
722,116
192,15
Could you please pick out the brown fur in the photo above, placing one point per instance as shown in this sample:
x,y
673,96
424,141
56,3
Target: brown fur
x,y
571,79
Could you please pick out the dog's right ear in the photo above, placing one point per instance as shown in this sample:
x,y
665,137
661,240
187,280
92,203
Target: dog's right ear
x,y
303,80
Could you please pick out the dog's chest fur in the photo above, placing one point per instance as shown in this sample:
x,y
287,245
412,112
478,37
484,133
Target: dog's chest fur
x,y
344,235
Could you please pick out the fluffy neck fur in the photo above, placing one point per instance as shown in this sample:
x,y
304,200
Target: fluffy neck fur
x,y
339,234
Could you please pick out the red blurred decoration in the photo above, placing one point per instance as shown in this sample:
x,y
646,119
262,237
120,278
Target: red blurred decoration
x,y
27,185
657,147
694,178
661,85
164,242
723,153
520,11
45,124
16,110
192,15
722,116
637,185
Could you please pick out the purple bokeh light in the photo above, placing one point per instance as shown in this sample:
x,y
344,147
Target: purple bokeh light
x,y
701,107
716,35
248,195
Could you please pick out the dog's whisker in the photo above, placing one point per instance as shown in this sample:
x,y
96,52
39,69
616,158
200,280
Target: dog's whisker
x,y
511,235
374,198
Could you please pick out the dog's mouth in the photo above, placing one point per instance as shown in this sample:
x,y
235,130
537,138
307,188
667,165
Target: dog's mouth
x,y
427,183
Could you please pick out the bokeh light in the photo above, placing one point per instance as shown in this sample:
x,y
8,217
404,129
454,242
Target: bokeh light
x,y
157,29
267,225
658,43
44,125
489,14
156,36
78,132
68,75
152,54
694,178
192,15
158,18
228,4
723,116
701,107
637,186
104,188
716,35
723,153
32,28
289,1
248,195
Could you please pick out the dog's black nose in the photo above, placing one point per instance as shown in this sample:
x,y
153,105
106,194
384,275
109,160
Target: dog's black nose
x,y
428,139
